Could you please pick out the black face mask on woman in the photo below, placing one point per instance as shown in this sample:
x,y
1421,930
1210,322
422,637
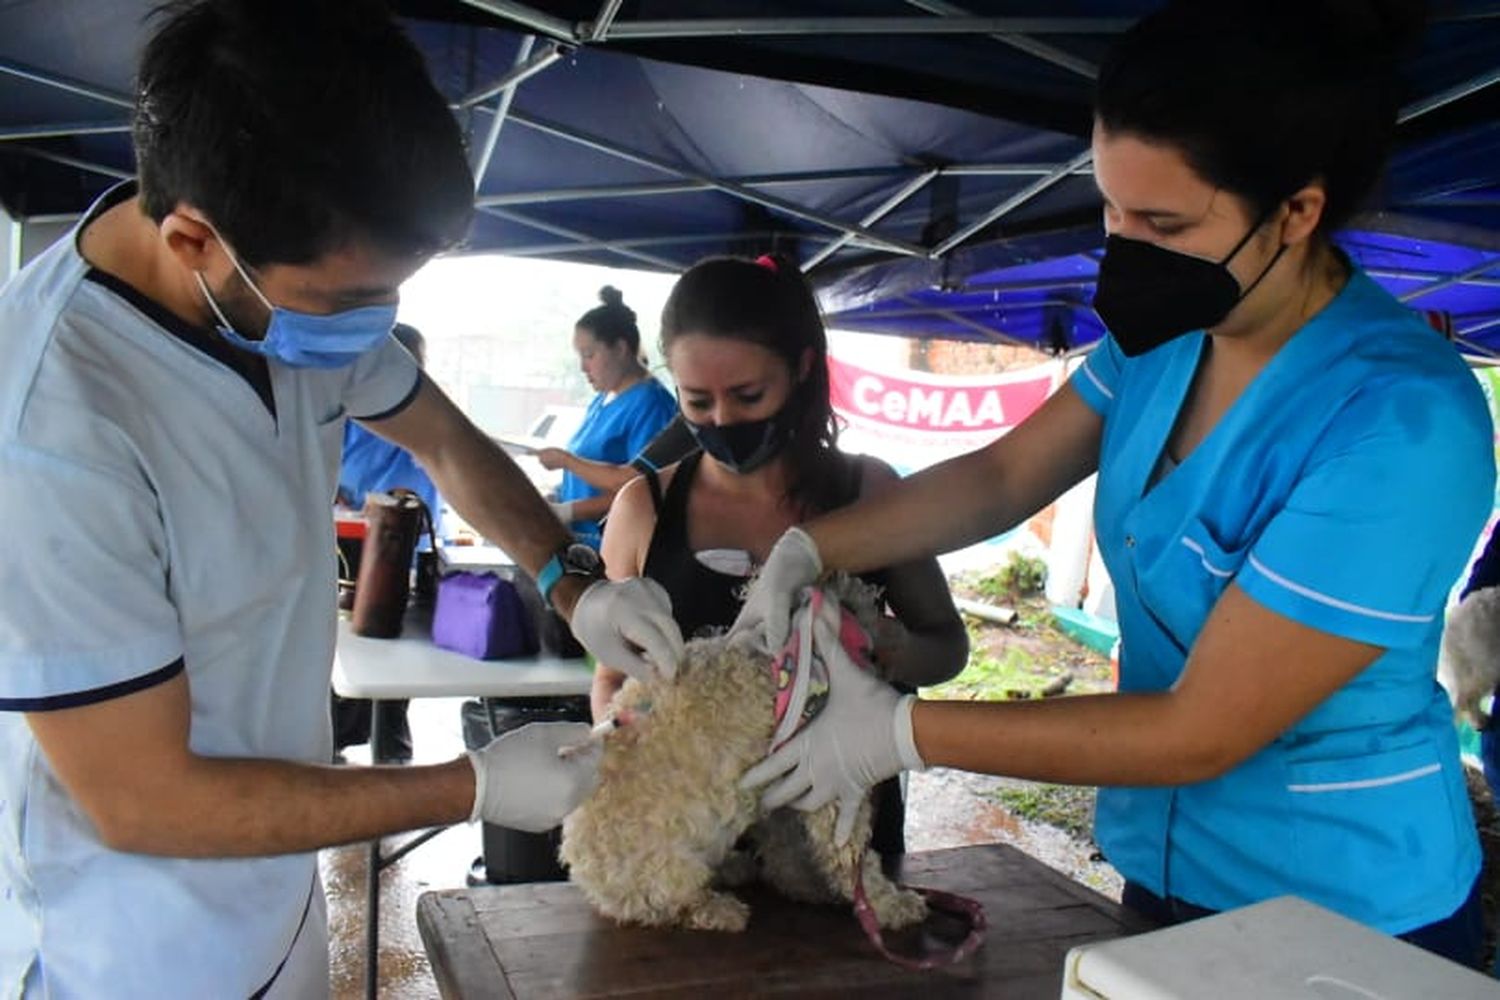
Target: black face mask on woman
x,y
1148,295
745,446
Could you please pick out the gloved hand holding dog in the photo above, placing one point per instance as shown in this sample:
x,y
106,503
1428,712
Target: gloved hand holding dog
x,y
862,736
765,620
522,782
628,625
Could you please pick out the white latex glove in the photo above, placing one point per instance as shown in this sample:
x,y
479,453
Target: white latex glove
x,y
628,625
520,781
765,620
562,510
861,737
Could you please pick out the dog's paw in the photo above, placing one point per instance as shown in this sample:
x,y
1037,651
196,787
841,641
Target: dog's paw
x,y
717,912
899,908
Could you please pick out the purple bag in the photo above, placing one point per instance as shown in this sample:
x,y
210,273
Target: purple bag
x,y
482,615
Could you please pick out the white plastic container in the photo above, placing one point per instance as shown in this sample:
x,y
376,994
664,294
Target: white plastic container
x,y
1286,949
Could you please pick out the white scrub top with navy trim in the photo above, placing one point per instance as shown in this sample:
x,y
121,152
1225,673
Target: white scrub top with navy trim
x,y
1344,489
166,509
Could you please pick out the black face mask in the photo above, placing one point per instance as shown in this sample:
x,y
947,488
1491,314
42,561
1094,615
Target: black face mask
x,y
746,446
1148,295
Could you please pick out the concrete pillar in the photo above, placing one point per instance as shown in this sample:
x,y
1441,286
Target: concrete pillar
x,y
1072,537
1100,600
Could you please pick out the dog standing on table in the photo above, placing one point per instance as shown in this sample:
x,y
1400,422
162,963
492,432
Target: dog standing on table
x,y
655,843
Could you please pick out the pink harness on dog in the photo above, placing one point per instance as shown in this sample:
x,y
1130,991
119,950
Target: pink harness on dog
x,y
800,672
801,675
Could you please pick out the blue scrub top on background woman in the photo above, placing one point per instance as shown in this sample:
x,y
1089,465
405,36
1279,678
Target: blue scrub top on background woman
x,y
614,431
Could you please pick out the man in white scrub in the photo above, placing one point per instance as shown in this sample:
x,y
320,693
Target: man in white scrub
x,y
178,374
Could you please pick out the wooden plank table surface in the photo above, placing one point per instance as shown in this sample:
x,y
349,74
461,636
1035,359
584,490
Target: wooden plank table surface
x,y
542,940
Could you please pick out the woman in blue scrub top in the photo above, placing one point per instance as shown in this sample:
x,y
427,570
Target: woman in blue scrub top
x,y
1292,470
630,409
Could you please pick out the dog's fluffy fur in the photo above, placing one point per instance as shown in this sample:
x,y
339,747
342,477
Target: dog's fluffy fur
x,y
1470,663
655,842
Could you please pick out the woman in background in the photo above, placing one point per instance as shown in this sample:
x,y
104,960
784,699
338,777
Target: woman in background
x,y
630,409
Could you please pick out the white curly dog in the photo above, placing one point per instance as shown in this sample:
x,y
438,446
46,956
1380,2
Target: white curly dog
x,y
655,843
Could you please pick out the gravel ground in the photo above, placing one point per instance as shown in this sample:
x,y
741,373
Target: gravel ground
x,y
1488,819
954,808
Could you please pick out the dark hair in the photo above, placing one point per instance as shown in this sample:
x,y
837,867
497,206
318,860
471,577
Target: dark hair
x,y
769,303
1264,96
613,322
411,338
298,127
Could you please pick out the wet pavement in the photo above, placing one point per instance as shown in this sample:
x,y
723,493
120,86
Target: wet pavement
x,y
945,809
442,863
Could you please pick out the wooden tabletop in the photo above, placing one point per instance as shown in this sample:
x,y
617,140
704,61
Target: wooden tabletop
x,y
542,940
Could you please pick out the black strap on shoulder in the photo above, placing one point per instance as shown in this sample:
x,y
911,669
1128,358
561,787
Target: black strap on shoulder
x,y
653,482
855,478
669,537
674,503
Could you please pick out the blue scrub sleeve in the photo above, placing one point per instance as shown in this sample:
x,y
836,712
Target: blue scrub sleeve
x,y
87,609
372,464
1099,375
655,415
1377,530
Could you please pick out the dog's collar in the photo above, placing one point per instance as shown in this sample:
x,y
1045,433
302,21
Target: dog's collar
x,y
799,670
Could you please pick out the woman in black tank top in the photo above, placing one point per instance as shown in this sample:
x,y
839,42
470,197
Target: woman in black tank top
x,y
747,349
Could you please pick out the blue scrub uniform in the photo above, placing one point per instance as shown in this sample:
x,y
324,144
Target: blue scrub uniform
x,y
166,506
1344,490
615,432
371,463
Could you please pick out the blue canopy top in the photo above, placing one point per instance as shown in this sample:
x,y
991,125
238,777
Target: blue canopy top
x,y
1038,291
847,133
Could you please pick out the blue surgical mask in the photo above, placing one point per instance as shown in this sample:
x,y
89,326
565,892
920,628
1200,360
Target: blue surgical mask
x,y
307,340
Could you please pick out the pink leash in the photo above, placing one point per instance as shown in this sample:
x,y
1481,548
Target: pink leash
x,y
799,698
968,910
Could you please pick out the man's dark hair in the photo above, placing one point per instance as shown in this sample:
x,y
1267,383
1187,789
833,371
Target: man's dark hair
x,y
298,127
1265,96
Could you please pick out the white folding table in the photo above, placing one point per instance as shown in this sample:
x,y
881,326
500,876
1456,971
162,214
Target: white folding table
x,y
412,667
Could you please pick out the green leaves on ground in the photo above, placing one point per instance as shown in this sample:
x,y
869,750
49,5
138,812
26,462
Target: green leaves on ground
x,y
1070,808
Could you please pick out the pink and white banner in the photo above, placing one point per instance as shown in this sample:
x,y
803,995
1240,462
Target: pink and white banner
x,y
948,413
